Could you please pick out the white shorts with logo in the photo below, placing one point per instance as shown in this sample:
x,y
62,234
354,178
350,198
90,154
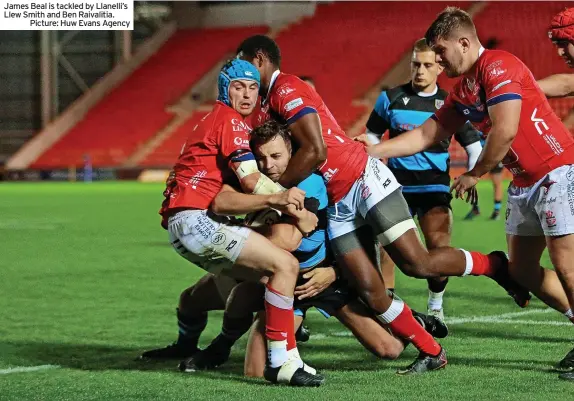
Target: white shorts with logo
x,y
545,208
347,215
208,240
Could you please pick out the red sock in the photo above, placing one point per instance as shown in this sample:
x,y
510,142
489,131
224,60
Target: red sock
x,y
406,327
483,265
279,317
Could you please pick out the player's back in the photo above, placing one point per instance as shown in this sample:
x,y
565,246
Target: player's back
x,y
290,99
542,142
313,249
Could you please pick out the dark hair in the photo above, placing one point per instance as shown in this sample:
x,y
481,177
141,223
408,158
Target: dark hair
x,y
269,131
260,44
450,20
306,78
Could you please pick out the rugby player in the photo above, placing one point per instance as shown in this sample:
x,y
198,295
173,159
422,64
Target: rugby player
x,y
217,151
365,201
318,285
499,95
561,33
425,176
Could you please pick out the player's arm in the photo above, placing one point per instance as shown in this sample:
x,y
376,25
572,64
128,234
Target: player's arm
x,y
231,202
312,152
469,139
505,117
252,181
410,142
558,85
378,122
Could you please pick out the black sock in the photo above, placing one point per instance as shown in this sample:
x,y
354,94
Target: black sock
x,y
437,286
233,328
190,328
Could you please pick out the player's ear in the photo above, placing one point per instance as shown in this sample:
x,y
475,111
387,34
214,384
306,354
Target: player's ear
x,y
259,60
440,69
464,44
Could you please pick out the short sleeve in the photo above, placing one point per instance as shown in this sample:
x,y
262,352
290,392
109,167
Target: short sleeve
x,y
467,135
378,121
501,80
293,101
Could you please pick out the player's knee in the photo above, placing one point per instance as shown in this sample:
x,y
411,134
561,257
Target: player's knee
x,y
285,263
388,351
417,267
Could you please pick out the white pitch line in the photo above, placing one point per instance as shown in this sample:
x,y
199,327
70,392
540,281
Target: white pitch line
x,y
24,369
503,316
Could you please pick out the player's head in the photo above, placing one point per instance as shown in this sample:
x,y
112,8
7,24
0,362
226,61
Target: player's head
x,y
453,38
238,86
424,68
263,53
271,145
308,80
561,33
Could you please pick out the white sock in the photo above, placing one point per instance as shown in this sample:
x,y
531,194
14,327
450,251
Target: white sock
x,y
435,300
468,268
569,314
277,353
394,310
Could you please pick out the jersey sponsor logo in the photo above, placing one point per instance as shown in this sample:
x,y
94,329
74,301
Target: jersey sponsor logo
x,y
240,141
438,103
239,125
406,100
496,72
542,128
327,175
284,90
493,65
194,181
472,86
293,104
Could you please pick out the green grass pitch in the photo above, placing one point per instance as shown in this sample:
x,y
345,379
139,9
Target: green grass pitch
x,y
88,281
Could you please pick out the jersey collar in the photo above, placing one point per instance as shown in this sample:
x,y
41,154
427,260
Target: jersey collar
x,y
271,83
431,94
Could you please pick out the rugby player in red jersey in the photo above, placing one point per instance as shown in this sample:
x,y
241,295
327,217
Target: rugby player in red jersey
x,y
499,95
561,33
365,201
217,151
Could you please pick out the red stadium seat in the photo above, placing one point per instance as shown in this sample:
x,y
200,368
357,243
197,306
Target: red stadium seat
x,y
135,110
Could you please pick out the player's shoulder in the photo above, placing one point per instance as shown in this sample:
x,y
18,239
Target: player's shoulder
x,y
498,60
397,91
314,183
287,83
441,94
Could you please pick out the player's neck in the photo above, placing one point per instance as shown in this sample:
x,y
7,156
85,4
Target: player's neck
x,y
475,57
268,81
427,91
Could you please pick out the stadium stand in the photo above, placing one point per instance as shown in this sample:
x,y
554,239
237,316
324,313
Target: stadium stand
x,y
135,110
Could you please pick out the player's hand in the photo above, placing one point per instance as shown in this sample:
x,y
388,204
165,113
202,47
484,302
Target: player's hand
x,y
363,138
466,184
319,279
293,196
305,221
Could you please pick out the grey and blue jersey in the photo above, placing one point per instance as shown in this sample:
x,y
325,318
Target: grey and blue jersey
x,y
401,109
313,249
